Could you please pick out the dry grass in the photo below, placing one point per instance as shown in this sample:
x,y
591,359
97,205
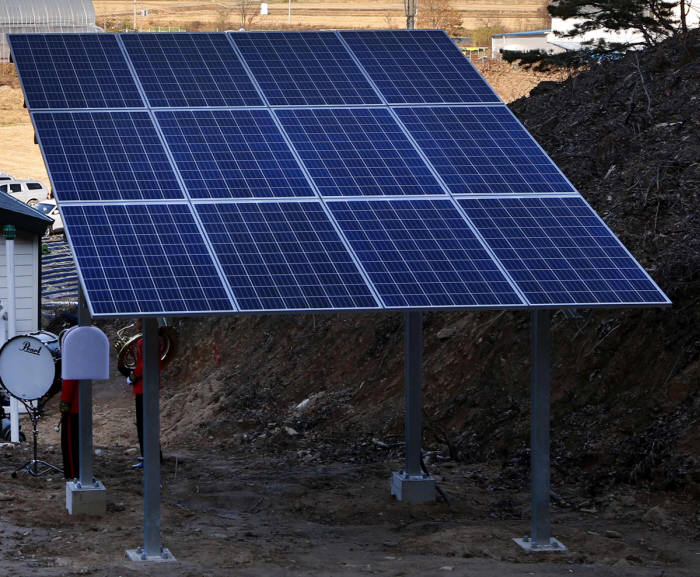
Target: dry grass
x,y
509,15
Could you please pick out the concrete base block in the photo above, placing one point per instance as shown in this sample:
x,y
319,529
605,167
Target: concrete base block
x,y
414,489
554,545
140,556
81,500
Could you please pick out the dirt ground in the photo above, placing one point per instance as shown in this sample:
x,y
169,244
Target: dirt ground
x,y
252,511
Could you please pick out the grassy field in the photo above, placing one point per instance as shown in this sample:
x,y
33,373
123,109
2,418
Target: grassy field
x,y
507,15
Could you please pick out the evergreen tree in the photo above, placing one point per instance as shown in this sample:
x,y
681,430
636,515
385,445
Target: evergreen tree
x,y
654,19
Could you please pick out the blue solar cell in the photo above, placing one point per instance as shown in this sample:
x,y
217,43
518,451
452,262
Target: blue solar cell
x,y
482,149
74,71
232,154
418,66
190,70
422,253
284,256
558,251
143,259
298,69
351,152
105,156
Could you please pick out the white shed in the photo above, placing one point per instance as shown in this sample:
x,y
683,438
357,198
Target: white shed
x,y
17,16
30,225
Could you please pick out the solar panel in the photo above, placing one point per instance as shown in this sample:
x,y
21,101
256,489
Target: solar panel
x,y
284,256
143,259
418,66
482,149
232,154
558,251
422,253
307,68
74,71
205,197
356,151
105,156
190,70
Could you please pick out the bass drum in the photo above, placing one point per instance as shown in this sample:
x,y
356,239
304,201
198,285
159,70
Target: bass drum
x,y
27,368
51,342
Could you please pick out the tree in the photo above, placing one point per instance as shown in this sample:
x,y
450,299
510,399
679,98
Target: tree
x,y
245,11
440,14
655,20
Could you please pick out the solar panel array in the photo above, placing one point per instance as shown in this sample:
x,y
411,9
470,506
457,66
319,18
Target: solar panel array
x,y
305,171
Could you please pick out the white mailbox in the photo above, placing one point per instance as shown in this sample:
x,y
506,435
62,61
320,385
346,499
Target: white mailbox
x,y
85,354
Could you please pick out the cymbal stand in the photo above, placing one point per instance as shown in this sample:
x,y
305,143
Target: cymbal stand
x,y
35,467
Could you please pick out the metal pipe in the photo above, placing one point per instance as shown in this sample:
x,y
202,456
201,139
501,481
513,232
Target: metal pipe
x,y
85,410
413,351
539,428
411,9
151,439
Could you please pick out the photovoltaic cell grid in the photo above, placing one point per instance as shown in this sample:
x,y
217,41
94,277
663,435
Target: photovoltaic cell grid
x,y
357,152
417,253
144,259
190,70
284,256
418,66
421,253
559,251
74,71
105,156
232,154
482,149
309,68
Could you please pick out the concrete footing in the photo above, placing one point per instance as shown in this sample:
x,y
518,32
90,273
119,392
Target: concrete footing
x,y
554,545
81,500
413,489
139,555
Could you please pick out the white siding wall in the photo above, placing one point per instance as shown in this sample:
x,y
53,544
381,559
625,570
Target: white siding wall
x,y
26,281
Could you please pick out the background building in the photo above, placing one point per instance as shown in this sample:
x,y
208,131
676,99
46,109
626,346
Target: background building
x,y
44,16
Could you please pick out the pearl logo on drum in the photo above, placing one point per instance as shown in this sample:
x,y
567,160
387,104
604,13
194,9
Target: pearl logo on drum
x,y
27,348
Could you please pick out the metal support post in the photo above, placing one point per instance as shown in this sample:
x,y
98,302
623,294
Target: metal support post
x,y
85,496
152,549
540,538
412,485
411,8
85,407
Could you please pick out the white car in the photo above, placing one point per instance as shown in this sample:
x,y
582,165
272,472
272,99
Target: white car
x,y
50,209
31,192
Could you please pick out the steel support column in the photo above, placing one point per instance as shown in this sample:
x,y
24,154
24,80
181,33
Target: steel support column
x,y
412,485
87,478
541,534
152,549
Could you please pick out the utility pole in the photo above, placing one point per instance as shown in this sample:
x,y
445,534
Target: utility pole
x,y
411,8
